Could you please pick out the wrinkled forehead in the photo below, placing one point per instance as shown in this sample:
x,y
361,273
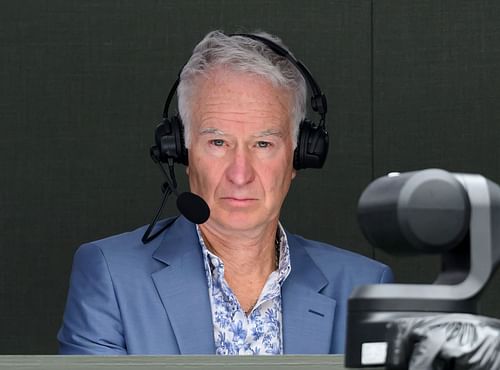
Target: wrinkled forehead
x,y
241,87
240,98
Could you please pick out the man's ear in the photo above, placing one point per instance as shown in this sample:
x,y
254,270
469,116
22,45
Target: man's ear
x,y
187,170
294,173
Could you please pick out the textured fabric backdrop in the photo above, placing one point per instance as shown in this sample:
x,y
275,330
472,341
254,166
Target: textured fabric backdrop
x,y
410,84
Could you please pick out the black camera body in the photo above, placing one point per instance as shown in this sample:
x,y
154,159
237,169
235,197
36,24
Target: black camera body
x,y
430,211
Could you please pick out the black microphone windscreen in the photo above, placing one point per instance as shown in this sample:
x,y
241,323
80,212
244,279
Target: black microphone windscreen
x,y
193,207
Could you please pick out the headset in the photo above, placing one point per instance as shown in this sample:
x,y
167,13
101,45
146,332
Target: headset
x,y
312,141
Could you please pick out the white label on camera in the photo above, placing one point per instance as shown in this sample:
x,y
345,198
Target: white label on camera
x,y
373,353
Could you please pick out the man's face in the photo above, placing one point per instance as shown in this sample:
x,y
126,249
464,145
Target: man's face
x,y
241,152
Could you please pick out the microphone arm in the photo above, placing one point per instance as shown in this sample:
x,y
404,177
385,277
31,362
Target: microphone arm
x,y
168,187
147,237
190,205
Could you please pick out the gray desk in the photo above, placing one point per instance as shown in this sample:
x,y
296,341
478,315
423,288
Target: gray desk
x,y
172,362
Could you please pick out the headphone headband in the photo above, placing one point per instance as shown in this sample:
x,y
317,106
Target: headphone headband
x,y
318,99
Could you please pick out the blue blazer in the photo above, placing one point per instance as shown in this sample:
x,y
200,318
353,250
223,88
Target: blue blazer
x,y
130,298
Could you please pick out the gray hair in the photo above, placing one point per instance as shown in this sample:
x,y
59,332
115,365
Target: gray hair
x,y
241,54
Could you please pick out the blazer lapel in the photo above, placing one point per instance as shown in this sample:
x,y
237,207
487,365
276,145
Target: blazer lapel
x,y
307,314
182,286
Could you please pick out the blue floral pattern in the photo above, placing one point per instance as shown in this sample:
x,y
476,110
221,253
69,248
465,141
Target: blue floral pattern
x,y
235,333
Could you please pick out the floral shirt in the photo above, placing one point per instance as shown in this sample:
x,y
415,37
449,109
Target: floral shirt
x,y
235,333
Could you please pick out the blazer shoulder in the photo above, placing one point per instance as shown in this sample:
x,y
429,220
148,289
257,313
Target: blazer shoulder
x,y
129,242
124,253
335,261
128,239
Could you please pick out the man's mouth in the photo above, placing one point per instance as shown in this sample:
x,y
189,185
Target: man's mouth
x,y
239,201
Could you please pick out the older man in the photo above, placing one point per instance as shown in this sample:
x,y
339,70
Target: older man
x,y
238,283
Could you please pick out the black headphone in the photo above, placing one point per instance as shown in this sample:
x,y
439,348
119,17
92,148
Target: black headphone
x,y
312,142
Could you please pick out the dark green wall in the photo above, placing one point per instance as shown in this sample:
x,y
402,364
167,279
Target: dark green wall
x,y
411,85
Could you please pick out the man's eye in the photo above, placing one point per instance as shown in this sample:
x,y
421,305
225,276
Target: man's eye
x,y
263,144
217,142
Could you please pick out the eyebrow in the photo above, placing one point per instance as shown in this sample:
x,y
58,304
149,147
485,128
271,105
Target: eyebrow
x,y
270,132
210,130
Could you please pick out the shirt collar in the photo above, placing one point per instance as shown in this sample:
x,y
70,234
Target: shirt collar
x,y
284,266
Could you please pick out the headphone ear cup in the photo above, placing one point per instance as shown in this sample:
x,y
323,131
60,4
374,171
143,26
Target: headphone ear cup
x,y
178,128
169,139
312,146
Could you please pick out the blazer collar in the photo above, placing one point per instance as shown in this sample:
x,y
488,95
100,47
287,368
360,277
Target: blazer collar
x,y
308,315
182,286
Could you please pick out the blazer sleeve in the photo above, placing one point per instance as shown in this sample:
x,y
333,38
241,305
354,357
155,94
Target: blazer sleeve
x,y
91,322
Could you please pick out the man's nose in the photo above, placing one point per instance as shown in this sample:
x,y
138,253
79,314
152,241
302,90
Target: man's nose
x,y
240,170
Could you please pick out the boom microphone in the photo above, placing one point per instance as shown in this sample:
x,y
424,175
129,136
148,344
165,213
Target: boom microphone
x,y
193,207
190,205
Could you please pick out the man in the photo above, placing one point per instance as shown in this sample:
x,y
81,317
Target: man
x,y
238,283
